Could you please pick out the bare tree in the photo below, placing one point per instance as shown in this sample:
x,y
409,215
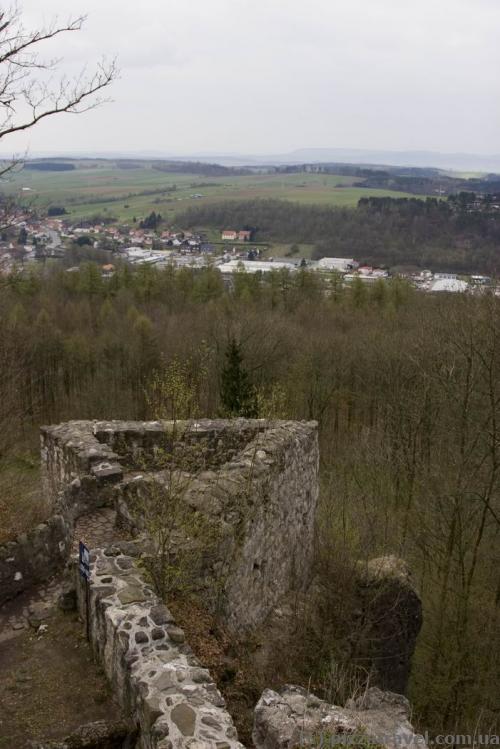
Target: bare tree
x,y
30,88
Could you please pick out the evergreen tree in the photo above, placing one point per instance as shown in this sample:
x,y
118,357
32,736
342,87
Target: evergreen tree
x,y
237,392
151,222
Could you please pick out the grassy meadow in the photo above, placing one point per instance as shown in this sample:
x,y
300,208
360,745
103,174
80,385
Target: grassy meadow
x,y
105,189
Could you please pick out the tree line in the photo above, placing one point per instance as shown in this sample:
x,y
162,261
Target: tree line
x,y
388,232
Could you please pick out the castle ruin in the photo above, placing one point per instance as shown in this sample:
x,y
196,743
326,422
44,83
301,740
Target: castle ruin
x,y
253,483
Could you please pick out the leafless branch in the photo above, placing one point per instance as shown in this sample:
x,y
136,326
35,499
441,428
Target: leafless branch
x,y
25,98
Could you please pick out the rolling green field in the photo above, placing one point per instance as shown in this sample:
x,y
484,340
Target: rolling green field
x,y
100,189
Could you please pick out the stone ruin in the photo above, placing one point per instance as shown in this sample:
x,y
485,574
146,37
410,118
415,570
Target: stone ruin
x,y
255,483
293,717
257,492
151,668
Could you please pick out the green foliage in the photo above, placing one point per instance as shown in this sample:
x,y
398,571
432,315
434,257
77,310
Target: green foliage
x,y
90,279
386,231
151,222
359,292
172,392
49,166
179,536
272,402
22,504
237,393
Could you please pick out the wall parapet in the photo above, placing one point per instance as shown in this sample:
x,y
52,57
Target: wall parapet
x,y
72,451
153,671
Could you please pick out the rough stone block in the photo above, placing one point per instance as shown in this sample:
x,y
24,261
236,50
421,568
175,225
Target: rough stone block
x,y
293,717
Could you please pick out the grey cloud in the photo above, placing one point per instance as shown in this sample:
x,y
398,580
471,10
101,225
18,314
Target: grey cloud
x,y
272,75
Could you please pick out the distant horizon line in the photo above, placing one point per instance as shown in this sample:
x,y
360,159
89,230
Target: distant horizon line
x,y
416,158
260,154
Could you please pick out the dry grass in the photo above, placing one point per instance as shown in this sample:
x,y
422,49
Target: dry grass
x,y
22,502
229,661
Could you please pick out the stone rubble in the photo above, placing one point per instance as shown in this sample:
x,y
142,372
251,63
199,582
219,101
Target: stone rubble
x,y
34,557
293,718
30,610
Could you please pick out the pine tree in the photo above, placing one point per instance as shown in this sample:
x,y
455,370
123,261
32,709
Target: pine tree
x,y
237,392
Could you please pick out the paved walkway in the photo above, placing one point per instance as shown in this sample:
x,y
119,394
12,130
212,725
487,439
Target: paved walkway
x,y
97,529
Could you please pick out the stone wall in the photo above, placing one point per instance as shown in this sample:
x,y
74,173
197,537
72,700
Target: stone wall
x,y
71,452
33,557
259,499
258,488
277,547
77,472
153,672
293,718
138,441
259,491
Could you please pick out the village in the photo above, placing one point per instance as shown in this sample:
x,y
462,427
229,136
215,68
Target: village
x,y
32,240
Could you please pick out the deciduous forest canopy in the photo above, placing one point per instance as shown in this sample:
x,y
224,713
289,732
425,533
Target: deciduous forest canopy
x,y
405,386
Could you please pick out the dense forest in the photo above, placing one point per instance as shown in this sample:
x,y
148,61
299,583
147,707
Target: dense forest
x,y
436,234
49,166
406,389
200,168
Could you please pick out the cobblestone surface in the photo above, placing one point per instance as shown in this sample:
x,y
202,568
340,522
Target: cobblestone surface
x,y
97,530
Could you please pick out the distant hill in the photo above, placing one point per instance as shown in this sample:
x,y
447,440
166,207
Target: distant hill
x,y
454,161
462,162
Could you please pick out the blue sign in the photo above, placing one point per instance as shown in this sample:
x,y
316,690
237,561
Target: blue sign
x,y
84,560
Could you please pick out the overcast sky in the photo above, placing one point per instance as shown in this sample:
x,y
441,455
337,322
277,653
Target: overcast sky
x,y
270,76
